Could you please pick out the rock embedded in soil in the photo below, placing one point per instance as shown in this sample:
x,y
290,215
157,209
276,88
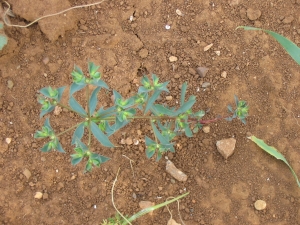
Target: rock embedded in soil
x,y
38,195
169,98
253,14
260,205
172,222
288,19
27,173
224,74
176,173
173,58
146,204
10,84
202,71
206,48
206,84
226,147
206,129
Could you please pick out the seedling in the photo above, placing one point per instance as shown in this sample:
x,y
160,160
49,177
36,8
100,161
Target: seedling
x,y
166,122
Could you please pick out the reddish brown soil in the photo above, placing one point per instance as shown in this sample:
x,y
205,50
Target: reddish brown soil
x,y
221,192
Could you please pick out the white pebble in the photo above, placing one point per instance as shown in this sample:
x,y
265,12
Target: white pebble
x,y
168,27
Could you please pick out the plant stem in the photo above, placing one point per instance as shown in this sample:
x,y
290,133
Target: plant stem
x,y
89,115
68,129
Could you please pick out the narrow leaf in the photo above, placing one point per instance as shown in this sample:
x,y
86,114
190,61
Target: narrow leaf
x,y
78,133
76,87
46,147
187,105
160,109
101,137
149,152
44,112
160,137
152,100
273,152
77,107
93,100
183,92
59,147
292,49
100,83
75,159
60,93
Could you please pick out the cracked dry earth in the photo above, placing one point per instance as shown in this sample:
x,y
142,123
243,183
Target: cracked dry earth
x,y
128,38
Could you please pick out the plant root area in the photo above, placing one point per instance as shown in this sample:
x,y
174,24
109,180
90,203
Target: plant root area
x,y
131,38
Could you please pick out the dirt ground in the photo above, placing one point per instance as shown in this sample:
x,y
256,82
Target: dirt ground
x,y
129,38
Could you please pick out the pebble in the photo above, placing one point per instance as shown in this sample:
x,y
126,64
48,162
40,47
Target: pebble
x,y
218,53
260,205
176,173
169,98
202,71
146,204
8,140
45,196
57,110
46,60
205,84
134,195
226,147
173,58
192,71
129,141
206,48
178,12
288,19
224,74
253,14
234,2
38,195
10,84
206,129
27,173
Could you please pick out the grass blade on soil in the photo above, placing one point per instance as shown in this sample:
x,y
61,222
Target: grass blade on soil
x,y
289,46
273,151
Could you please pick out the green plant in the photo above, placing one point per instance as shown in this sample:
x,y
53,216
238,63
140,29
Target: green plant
x,y
118,220
166,122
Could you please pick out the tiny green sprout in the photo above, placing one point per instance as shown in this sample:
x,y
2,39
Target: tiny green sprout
x,y
99,124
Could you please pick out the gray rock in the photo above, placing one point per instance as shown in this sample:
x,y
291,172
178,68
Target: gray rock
x,y
226,147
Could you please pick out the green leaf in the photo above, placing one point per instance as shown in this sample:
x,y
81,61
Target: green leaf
x,y
236,100
47,147
183,92
100,83
88,166
60,93
118,125
101,137
187,105
77,107
49,92
76,87
77,75
93,100
78,133
160,109
292,49
188,131
59,147
92,69
104,113
45,111
75,159
273,152
151,100
160,137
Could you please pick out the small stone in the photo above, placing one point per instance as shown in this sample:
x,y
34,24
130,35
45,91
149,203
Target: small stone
x,y
253,14
206,84
129,141
288,19
206,129
146,204
176,76
172,222
8,140
234,2
226,147
206,48
38,195
134,195
224,74
218,53
45,196
202,71
173,58
260,205
176,173
169,98
83,27
57,110
27,173
10,84
73,177
46,60
178,12
160,188
143,53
